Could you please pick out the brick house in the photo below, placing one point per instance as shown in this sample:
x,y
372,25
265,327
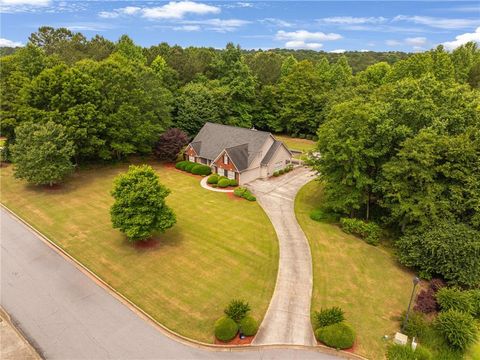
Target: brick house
x,y
238,153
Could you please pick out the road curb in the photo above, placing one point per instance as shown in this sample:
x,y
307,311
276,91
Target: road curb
x,y
162,328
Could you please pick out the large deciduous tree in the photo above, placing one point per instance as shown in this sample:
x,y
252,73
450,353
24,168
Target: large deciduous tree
x,y
140,209
42,153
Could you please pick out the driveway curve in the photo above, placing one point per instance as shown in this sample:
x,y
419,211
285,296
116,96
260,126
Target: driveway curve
x,y
287,320
67,314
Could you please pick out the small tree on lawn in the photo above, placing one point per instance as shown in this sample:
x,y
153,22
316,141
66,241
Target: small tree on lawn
x,y
170,144
42,153
139,208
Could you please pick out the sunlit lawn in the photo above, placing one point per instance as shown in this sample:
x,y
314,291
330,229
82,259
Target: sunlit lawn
x,y
298,144
365,281
221,248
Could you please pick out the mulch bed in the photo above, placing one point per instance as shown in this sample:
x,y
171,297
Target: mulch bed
x,y
232,196
247,340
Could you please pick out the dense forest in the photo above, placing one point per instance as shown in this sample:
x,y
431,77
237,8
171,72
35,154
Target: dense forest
x,y
398,134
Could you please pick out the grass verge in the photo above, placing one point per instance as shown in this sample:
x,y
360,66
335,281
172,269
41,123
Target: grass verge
x,y
220,248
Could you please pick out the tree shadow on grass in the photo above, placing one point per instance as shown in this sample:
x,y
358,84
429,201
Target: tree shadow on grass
x,y
159,241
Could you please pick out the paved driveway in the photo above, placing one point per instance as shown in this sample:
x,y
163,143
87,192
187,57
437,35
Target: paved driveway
x,y
288,317
67,315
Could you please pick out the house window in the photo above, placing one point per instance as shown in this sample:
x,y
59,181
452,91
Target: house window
x,y
225,172
231,175
225,159
191,158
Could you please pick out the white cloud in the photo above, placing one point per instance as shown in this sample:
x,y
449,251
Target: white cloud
x,y
416,41
304,35
13,6
177,10
463,39
172,10
441,23
187,28
300,44
85,26
350,20
338,51
9,43
219,25
393,42
275,22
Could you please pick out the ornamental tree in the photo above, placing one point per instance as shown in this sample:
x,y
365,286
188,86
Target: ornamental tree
x,y
139,208
170,144
42,153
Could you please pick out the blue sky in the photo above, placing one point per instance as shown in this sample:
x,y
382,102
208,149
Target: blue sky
x,y
319,25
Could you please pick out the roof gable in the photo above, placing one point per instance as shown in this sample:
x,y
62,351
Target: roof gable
x,y
243,144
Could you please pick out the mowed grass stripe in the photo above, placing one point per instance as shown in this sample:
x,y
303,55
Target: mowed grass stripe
x,y
221,248
365,281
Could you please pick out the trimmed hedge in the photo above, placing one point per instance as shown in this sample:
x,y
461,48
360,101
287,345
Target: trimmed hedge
x,y
244,193
458,328
233,182
326,317
370,231
212,179
475,296
225,329
338,336
248,326
223,183
181,165
189,167
455,299
401,352
201,169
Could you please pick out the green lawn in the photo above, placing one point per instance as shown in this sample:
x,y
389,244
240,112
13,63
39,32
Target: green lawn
x,y
303,145
365,281
221,247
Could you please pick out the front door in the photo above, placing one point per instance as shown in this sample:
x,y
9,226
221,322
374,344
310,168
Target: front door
x,y
225,172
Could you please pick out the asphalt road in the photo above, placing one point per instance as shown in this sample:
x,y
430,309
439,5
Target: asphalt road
x,y
65,314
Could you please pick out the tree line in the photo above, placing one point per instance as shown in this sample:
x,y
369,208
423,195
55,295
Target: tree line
x,y
399,140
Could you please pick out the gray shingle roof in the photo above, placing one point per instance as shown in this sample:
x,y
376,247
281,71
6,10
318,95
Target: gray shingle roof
x,y
214,138
271,151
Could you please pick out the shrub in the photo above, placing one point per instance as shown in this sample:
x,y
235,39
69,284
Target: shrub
x,y
317,215
370,231
244,193
401,352
201,169
455,299
237,310
450,250
426,302
233,182
223,183
170,143
212,179
289,168
181,165
248,326
301,136
338,336
225,329
475,298
281,172
417,324
437,284
276,173
457,327
326,317
189,166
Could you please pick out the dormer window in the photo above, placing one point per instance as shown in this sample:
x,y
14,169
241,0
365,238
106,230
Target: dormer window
x,y
225,159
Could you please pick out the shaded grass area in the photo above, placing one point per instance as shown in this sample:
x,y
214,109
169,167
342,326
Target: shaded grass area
x,y
219,249
302,145
365,281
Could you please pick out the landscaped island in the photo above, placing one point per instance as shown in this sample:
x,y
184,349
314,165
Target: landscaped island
x,y
221,247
